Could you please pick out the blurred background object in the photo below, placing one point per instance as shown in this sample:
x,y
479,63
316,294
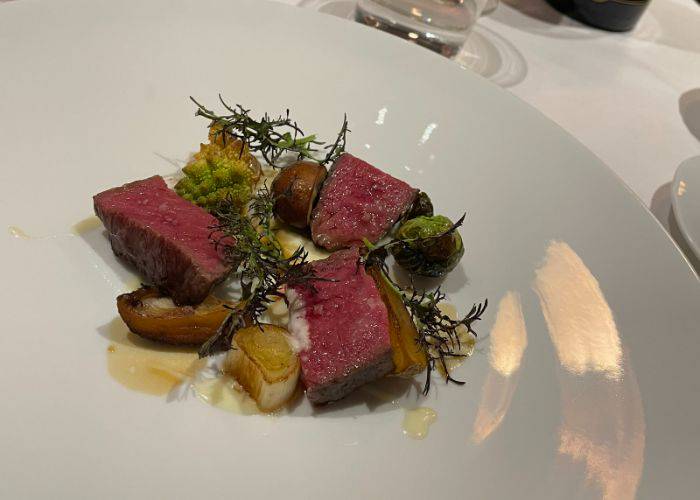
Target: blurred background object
x,y
611,15
440,25
485,51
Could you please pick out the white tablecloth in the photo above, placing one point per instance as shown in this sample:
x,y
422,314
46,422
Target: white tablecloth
x,y
632,98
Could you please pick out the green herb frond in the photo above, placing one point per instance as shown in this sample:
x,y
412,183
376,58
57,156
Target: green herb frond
x,y
272,137
438,334
248,244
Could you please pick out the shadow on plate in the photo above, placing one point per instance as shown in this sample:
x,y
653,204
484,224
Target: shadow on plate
x,y
387,394
118,333
662,209
492,56
452,283
98,240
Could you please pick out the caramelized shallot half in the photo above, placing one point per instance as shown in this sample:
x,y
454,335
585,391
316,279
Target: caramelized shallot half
x,y
154,316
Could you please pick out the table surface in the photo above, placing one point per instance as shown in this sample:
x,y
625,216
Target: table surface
x,y
631,98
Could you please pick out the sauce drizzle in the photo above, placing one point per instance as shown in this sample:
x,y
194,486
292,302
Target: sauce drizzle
x,y
18,232
417,422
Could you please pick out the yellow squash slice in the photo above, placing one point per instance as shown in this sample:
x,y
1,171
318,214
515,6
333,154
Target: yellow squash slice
x,y
409,358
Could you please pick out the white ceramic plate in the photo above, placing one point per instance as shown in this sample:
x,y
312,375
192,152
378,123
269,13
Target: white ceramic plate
x,y
586,388
685,199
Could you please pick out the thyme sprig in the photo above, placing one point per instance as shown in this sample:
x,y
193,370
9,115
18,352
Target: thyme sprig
x,y
272,137
247,243
438,334
294,271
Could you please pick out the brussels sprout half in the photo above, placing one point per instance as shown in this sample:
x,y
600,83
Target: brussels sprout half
x,y
427,246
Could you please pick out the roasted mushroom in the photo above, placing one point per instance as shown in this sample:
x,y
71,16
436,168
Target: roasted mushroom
x,y
295,190
154,316
428,246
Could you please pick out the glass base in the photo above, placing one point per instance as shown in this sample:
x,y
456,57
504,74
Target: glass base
x,y
444,42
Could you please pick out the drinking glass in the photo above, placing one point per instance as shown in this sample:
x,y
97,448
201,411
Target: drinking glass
x,y
440,25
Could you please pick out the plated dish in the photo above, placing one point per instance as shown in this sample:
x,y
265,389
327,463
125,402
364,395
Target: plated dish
x,y
334,324
601,405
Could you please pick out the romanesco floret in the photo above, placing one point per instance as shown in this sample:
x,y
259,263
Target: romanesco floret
x,y
218,172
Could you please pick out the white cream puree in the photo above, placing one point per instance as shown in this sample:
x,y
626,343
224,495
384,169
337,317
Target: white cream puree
x,y
298,326
160,302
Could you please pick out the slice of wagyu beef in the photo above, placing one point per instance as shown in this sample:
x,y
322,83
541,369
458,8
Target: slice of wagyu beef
x,y
357,201
164,236
340,328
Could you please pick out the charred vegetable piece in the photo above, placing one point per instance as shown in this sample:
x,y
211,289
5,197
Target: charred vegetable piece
x,y
409,359
427,246
154,316
262,361
421,206
295,190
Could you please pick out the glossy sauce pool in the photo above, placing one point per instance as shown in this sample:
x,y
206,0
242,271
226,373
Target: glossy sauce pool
x,y
155,369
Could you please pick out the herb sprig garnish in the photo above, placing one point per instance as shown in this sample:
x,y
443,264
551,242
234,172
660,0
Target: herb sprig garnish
x,y
248,244
438,334
248,312
272,137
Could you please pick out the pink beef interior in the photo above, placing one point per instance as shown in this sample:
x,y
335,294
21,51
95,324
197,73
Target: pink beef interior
x,y
358,201
348,329
164,236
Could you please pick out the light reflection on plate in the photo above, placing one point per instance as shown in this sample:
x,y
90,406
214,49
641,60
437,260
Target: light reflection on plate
x,y
508,340
602,417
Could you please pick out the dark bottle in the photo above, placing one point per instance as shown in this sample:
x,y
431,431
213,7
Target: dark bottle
x,y
611,15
